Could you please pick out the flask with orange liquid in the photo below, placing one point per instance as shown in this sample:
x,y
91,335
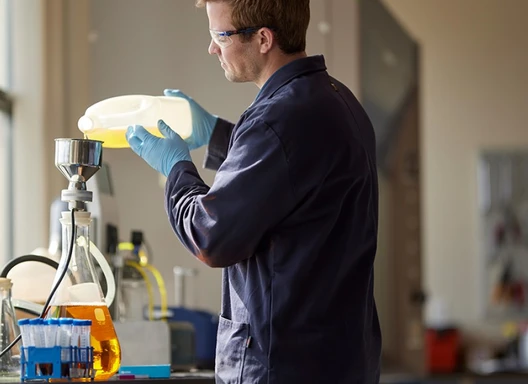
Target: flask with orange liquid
x,y
79,296
109,119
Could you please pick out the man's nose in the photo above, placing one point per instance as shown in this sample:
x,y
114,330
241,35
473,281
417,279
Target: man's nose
x,y
213,48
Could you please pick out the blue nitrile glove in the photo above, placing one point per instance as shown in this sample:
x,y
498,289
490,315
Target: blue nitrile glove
x,y
160,153
203,122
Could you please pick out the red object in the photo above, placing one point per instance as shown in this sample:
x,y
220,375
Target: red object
x,y
126,377
442,346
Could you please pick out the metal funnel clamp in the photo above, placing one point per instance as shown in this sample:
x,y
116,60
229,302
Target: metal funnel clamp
x,y
78,159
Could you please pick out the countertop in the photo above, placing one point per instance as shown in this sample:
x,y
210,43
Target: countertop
x,y
176,378
456,378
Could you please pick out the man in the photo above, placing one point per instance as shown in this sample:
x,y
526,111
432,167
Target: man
x,y
292,214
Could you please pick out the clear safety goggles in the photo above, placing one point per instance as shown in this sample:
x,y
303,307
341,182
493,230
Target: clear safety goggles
x,y
223,38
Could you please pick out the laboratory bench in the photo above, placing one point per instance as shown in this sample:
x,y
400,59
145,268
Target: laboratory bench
x,y
457,378
188,378
461,378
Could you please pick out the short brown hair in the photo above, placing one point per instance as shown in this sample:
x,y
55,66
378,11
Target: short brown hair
x,y
288,19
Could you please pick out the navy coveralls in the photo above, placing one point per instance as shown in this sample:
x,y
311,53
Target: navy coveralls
x,y
292,218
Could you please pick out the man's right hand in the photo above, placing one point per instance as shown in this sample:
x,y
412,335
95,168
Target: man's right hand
x,y
203,122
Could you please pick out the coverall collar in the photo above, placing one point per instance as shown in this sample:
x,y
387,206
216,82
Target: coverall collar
x,y
289,72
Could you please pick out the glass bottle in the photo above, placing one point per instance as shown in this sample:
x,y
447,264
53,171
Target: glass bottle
x,y
9,330
80,296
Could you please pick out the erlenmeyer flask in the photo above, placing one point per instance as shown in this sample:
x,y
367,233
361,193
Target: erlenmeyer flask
x,y
9,330
80,296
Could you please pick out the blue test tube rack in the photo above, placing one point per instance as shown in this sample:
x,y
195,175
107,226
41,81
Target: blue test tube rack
x,y
48,363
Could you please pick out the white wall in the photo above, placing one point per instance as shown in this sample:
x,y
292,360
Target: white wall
x,y
30,205
145,46
474,94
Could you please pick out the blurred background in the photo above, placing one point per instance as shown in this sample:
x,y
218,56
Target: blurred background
x,y
444,82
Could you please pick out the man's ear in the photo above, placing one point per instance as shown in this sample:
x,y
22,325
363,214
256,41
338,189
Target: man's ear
x,y
266,38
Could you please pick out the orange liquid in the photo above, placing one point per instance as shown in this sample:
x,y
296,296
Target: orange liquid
x,y
107,352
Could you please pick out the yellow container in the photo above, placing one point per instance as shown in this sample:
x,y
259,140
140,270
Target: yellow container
x,y
109,119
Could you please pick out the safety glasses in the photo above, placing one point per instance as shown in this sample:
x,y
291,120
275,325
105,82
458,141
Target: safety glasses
x,y
223,38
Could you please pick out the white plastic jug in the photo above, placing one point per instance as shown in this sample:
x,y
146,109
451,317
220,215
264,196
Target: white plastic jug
x,y
109,119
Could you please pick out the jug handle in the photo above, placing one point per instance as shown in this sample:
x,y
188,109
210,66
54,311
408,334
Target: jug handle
x,y
36,309
107,271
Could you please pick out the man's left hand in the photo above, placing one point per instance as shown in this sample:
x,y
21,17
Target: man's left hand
x,y
160,153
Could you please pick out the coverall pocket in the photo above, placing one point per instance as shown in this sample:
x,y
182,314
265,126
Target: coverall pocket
x,y
231,348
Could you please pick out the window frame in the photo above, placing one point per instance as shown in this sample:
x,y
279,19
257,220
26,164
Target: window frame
x,y
7,108
6,103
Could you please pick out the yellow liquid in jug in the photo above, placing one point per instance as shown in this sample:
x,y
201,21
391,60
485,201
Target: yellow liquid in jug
x,y
107,352
115,137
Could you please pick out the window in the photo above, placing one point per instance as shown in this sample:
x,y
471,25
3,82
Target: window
x,y
6,234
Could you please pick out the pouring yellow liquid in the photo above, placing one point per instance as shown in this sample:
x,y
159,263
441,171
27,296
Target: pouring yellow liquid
x,y
107,352
115,137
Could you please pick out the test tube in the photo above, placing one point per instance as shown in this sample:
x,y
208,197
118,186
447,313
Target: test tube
x,y
37,332
84,337
51,332
25,333
83,328
75,333
64,337
64,332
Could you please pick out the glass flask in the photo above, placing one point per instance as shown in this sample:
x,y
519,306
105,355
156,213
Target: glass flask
x,y
79,296
9,330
